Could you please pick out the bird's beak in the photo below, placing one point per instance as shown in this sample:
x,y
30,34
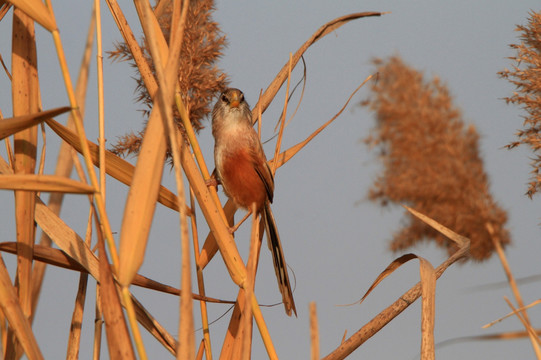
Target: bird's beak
x,y
235,101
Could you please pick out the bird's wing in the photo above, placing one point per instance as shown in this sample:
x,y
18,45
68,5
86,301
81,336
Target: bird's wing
x,y
265,174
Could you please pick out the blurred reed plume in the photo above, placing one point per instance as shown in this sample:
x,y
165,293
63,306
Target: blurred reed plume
x,y
199,78
431,161
526,77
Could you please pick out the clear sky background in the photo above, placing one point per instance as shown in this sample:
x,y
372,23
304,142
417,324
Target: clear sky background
x,y
334,239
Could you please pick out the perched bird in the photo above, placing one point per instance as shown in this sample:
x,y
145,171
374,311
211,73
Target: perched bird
x,y
242,169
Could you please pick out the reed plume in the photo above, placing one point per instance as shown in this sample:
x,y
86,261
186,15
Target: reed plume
x,y
431,161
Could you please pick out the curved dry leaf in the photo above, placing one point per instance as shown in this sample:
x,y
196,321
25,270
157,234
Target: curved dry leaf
x,y
47,183
15,124
395,264
285,156
275,85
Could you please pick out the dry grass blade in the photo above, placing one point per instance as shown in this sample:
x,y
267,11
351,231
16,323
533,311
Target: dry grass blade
x,y
275,85
536,341
154,327
25,100
460,240
66,239
206,343
16,318
314,332
139,210
77,319
536,302
509,335
116,167
47,183
514,288
404,301
47,255
251,267
13,125
37,10
118,337
292,151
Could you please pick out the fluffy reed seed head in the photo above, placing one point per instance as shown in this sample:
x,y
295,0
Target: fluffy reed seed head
x,y
525,74
199,77
431,161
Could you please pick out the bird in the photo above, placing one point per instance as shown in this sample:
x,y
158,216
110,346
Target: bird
x,y
245,176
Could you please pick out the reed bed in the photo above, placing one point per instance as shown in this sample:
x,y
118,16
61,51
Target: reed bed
x,y
175,104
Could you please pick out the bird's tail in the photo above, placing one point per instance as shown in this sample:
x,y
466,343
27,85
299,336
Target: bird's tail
x,y
280,265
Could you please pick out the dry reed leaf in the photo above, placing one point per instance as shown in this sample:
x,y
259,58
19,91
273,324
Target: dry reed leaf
x,y
66,239
246,325
77,320
141,201
508,335
206,342
13,125
275,85
536,302
9,303
116,329
395,264
118,168
46,183
47,255
201,350
210,247
292,151
460,240
37,10
314,332
404,301
25,100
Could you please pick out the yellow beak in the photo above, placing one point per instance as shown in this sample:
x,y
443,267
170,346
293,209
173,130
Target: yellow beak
x,y
235,101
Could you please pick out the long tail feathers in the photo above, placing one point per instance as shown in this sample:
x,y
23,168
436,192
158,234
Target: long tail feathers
x,y
280,265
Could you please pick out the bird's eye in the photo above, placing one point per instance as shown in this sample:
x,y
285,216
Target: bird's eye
x,y
241,97
224,98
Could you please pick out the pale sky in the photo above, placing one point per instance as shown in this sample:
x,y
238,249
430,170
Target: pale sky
x,y
334,240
